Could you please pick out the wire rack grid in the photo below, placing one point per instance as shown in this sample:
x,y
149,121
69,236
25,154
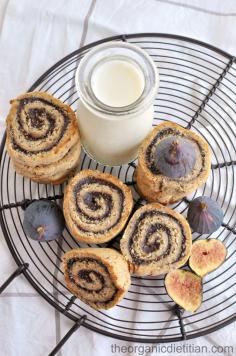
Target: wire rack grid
x,y
197,91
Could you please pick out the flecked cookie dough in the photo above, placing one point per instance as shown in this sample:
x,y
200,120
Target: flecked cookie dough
x,y
54,171
96,206
156,240
42,137
157,187
98,276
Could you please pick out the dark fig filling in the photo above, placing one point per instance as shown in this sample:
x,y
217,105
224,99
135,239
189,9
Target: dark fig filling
x,y
36,118
89,277
155,244
96,200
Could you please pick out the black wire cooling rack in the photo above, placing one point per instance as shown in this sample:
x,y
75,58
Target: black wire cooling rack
x,y
197,91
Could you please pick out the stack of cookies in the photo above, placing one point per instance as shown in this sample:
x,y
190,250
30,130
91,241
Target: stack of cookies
x,y
173,162
43,138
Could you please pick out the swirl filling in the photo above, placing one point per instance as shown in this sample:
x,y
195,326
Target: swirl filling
x,y
97,205
156,240
90,280
156,237
38,126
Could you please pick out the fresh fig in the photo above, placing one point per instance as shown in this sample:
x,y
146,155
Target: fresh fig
x,y
185,288
204,215
206,256
43,220
175,157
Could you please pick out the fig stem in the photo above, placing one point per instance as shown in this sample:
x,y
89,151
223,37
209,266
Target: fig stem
x,y
40,230
174,152
203,206
174,147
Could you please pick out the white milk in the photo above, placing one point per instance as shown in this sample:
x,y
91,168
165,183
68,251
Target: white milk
x,y
113,142
117,83
113,111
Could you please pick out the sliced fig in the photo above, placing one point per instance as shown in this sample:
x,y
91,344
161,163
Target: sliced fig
x,y
204,215
206,256
185,288
175,157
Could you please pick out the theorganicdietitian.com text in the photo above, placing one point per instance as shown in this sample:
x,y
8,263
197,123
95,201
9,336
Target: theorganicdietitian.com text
x,y
186,348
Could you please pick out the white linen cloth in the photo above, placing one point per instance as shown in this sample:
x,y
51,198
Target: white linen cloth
x,y
33,36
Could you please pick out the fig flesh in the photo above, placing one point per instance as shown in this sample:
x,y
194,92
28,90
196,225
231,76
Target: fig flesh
x,y
207,256
204,215
175,157
43,221
185,288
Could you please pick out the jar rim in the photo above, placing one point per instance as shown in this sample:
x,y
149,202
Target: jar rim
x,y
116,50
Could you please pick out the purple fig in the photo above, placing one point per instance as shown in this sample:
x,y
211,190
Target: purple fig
x,y
43,221
206,256
185,288
204,215
175,157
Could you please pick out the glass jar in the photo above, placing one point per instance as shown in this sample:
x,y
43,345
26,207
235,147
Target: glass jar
x,y
117,83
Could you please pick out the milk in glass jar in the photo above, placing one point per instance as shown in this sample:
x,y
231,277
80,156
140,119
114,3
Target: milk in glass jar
x,y
117,83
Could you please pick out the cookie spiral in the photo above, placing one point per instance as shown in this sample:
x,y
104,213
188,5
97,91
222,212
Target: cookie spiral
x,y
99,277
40,129
155,186
156,240
96,206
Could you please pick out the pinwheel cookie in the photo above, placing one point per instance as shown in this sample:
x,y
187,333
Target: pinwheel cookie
x,y
172,163
42,137
156,240
96,206
98,276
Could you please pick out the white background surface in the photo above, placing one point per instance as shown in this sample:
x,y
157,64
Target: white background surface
x,y
33,36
